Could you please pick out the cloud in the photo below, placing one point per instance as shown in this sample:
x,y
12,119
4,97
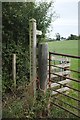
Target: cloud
x,y
64,1
63,21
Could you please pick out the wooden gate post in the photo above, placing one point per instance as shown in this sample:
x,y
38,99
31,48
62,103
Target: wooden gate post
x,y
14,69
33,32
42,64
32,38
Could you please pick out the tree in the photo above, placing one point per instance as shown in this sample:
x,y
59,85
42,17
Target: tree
x,y
79,37
58,36
72,37
15,34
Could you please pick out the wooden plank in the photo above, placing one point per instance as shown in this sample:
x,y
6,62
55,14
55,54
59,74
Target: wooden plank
x,y
60,65
59,59
63,65
63,72
53,85
64,89
63,82
67,72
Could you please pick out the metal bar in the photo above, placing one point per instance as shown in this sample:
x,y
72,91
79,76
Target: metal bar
x,y
68,87
65,109
66,68
72,88
66,77
67,104
49,66
67,96
67,55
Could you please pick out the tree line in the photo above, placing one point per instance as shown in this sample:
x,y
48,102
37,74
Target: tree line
x,y
59,38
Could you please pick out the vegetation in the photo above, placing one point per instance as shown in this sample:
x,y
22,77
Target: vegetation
x,y
73,37
58,37
15,34
66,47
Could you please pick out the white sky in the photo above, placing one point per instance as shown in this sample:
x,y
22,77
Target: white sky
x,y
67,23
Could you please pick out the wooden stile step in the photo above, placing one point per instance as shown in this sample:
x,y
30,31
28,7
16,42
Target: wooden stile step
x,y
60,65
64,65
67,72
63,82
61,90
59,59
53,85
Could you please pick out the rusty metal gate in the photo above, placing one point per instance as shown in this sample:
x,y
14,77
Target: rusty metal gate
x,y
64,82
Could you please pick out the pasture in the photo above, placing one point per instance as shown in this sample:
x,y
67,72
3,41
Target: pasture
x,y
66,47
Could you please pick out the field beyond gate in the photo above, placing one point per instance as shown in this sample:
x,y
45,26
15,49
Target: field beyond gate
x,y
71,48
66,47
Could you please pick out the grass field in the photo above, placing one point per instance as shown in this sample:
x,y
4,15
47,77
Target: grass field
x,y
68,47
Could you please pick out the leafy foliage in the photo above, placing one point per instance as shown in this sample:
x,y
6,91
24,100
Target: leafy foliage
x,y
73,37
15,34
58,36
20,108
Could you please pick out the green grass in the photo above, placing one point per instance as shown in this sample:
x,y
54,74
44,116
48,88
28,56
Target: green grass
x,y
68,47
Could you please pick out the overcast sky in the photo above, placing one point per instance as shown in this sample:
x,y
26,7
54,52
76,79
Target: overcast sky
x,y
67,23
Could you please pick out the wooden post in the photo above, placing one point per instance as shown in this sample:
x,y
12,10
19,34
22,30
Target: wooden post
x,y
42,63
32,37
14,69
33,32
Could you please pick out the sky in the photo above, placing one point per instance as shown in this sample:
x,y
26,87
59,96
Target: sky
x,y
67,22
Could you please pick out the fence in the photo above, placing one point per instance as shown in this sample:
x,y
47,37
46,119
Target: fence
x,y
60,79
59,67
63,82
